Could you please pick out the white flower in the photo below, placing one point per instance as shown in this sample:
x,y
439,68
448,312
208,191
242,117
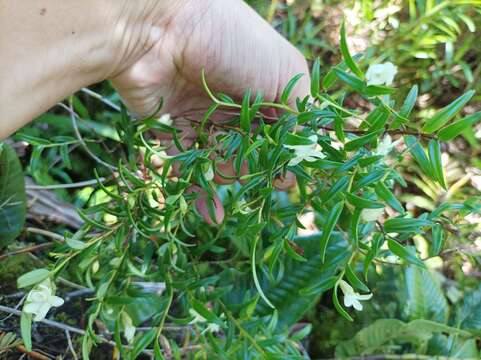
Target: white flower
x,y
381,74
165,119
129,328
386,146
209,172
198,318
211,327
371,214
351,298
40,299
305,152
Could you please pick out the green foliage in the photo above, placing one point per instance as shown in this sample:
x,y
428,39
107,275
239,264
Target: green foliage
x,y
12,195
154,251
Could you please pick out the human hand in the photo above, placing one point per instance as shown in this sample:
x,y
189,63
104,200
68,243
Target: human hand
x,y
235,48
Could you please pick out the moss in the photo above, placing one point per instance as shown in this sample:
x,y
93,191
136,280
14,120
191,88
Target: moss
x,y
11,268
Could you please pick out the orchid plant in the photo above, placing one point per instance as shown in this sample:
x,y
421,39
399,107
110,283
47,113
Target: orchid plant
x,y
237,273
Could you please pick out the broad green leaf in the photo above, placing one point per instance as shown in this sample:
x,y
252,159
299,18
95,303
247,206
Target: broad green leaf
x,y
320,287
286,93
33,277
362,140
329,225
468,315
305,277
399,250
425,298
436,162
351,64
12,196
315,78
447,113
451,131
383,333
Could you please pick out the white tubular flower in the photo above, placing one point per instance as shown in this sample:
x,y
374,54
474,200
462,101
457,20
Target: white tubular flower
x,y
371,214
165,119
209,172
381,74
211,327
40,299
305,152
352,298
129,328
198,318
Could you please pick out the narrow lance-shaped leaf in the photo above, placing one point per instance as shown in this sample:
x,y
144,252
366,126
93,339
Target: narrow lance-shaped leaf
x,y
451,131
437,240
315,78
436,162
384,193
419,155
245,120
354,280
286,93
363,203
351,64
405,225
338,306
331,222
351,80
447,113
399,250
330,78
360,141
406,108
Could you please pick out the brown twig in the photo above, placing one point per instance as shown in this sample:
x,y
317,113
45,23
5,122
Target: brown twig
x,y
27,250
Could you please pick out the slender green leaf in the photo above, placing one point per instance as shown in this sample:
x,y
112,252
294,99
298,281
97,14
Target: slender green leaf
x,y
447,113
286,93
331,222
315,78
451,131
351,64
436,162
399,250
363,203
362,140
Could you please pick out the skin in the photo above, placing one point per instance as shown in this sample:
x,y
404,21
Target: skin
x,y
149,49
